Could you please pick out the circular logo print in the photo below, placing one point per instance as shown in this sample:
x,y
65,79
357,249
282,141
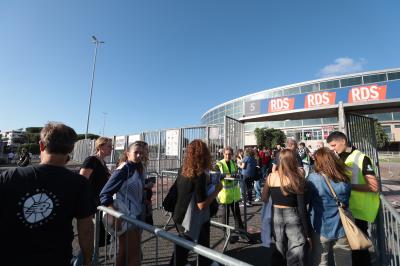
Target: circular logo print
x,y
37,208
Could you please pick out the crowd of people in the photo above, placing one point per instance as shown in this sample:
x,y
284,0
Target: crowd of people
x,y
40,201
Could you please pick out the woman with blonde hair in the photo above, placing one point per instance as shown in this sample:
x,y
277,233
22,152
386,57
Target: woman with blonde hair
x,y
290,226
94,168
128,182
328,234
194,194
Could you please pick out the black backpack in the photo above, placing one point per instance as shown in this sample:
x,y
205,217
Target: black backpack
x,y
170,200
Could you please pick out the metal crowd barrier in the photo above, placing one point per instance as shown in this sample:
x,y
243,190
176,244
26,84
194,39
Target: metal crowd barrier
x,y
167,178
111,252
391,225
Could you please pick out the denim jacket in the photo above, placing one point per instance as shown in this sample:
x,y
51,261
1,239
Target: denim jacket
x,y
323,211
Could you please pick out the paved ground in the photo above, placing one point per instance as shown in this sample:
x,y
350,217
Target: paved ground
x,y
390,173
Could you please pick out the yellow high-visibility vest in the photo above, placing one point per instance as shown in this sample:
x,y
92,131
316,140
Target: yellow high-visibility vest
x,y
230,191
363,205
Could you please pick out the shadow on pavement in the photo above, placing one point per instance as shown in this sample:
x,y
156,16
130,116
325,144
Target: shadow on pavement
x,y
254,255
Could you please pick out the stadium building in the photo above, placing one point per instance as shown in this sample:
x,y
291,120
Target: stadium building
x,y
309,110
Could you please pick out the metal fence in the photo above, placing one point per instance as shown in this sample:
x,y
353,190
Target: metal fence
x,y
166,150
109,253
391,225
82,149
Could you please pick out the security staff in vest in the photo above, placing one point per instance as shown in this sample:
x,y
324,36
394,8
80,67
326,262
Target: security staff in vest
x,y
364,199
229,196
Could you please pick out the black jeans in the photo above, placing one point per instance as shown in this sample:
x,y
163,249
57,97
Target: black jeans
x,y
234,206
182,253
361,257
248,189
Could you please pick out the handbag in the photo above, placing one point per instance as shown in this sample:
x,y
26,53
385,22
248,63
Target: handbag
x,y
356,238
171,198
214,208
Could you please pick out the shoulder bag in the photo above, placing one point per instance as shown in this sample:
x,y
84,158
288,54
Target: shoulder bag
x,y
356,238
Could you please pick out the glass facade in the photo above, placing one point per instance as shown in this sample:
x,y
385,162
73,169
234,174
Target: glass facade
x,y
333,84
351,81
235,108
374,78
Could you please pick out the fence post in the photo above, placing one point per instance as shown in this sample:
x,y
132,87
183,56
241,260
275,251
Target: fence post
x,y
159,152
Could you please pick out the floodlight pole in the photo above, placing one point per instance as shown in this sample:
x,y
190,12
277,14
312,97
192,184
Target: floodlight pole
x,y
96,42
104,122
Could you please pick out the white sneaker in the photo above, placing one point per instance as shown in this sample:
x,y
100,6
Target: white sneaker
x,y
257,200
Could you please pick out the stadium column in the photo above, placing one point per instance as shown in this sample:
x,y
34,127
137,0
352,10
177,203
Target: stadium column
x,y
342,118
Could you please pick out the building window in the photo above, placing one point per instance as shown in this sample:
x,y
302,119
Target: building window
x,y
314,121
381,116
329,120
293,123
396,126
277,93
309,88
351,82
394,75
396,115
291,91
329,85
374,78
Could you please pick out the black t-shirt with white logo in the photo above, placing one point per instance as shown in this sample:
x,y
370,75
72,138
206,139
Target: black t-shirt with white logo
x,y
37,207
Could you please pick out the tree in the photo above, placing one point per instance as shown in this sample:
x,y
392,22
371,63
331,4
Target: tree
x,y
31,147
90,136
33,129
269,137
33,137
382,138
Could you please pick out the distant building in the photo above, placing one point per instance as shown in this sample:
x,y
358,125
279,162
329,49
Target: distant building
x,y
13,137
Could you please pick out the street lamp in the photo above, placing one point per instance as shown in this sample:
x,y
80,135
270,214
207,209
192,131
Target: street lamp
x,y
97,42
104,122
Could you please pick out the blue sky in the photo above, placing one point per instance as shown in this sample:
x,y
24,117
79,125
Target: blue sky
x,y
165,63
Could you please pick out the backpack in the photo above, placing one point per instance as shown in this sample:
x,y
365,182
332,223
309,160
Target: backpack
x,y
171,198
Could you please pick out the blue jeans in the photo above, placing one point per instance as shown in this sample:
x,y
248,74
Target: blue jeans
x,y
257,188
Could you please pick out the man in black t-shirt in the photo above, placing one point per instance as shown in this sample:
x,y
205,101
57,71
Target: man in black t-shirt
x,y
39,203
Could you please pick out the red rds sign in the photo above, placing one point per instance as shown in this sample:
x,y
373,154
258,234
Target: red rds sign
x,y
367,93
280,104
319,99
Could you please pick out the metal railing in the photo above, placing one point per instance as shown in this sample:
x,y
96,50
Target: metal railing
x,y
167,178
390,255
158,233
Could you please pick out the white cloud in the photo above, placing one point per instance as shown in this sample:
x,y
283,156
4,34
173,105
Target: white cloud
x,y
342,65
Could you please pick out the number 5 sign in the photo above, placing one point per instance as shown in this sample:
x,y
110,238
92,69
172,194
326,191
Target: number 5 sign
x,y
252,108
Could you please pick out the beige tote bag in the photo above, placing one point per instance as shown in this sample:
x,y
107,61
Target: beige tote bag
x,y
356,238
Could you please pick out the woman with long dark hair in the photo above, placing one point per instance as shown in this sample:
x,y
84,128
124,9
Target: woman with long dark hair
x,y
328,234
290,226
192,213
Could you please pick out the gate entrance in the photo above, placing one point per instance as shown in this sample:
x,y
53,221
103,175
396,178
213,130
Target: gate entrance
x,y
361,134
233,133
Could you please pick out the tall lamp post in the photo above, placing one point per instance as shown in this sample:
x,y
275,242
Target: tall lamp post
x,y
97,43
104,122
